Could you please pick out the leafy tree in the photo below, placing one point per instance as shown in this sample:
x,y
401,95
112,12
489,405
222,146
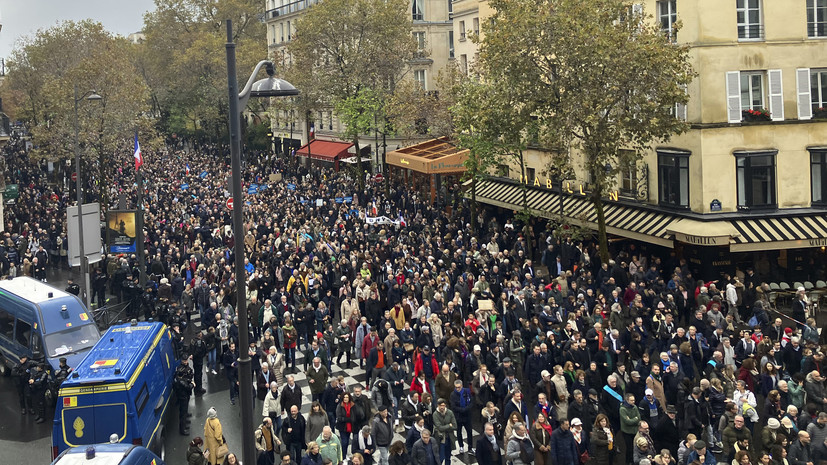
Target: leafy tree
x,y
183,61
346,54
45,68
599,76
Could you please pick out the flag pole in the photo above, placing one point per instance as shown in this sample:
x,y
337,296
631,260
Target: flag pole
x,y
139,236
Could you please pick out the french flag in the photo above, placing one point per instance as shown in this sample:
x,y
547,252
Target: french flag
x,y
188,169
139,159
312,131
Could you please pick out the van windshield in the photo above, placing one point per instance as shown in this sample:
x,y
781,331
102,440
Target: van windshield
x,y
71,340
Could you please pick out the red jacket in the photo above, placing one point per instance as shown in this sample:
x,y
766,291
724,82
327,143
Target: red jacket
x,y
417,387
368,344
418,365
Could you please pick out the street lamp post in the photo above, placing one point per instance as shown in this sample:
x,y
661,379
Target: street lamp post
x,y
84,261
270,87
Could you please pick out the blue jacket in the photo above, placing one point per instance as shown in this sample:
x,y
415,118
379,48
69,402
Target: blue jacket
x,y
563,448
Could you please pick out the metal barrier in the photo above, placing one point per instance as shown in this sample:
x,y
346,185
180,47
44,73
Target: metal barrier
x,y
108,315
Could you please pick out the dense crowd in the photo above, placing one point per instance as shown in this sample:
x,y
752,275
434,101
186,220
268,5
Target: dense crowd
x,y
513,343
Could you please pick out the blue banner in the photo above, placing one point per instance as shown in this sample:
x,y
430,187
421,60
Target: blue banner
x,y
203,174
340,199
185,186
253,189
291,186
349,199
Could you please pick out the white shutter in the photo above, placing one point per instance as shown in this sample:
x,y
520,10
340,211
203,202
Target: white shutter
x,y
802,79
733,96
776,95
680,108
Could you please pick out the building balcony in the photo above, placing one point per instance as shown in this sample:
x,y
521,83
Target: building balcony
x,y
292,7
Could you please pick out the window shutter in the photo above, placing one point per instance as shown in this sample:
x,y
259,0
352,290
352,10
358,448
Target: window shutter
x,y
802,78
733,96
776,95
680,108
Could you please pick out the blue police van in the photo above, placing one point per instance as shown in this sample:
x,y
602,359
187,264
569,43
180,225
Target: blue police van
x,y
42,323
123,387
108,454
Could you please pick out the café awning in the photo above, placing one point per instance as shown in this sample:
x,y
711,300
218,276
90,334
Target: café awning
x,y
326,150
435,156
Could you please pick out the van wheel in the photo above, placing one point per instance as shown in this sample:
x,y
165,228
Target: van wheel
x,y
160,448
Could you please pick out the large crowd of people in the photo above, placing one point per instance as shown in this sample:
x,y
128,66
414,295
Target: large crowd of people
x,y
507,344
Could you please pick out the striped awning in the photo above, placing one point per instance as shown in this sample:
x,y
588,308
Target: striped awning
x,y
621,220
791,232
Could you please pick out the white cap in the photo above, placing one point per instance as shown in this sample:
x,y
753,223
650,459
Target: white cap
x,y
649,392
576,421
477,348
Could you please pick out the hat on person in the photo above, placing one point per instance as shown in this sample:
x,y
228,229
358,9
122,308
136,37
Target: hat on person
x,y
649,392
211,413
634,374
477,348
382,408
787,422
592,392
772,423
545,373
699,444
788,330
507,359
426,349
673,346
671,409
576,422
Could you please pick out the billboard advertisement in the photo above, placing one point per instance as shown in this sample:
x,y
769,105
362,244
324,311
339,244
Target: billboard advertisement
x,y
122,229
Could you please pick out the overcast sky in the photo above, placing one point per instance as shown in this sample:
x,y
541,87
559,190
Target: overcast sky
x,y
24,17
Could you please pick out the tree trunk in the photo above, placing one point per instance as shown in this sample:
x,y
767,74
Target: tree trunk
x,y
360,170
603,241
474,207
526,211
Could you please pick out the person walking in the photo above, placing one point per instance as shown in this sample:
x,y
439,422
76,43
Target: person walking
x,y
230,362
444,426
195,456
267,442
424,451
330,446
213,437
182,386
382,433
461,406
199,351
519,450
293,432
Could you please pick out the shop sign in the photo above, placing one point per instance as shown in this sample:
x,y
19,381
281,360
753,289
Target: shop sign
x,y
701,240
568,187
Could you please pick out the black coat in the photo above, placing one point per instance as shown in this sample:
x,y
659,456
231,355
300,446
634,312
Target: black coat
x,y
486,453
290,397
667,436
296,436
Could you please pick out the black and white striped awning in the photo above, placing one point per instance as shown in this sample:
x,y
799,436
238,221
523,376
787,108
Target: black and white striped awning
x,y
791,232
621,220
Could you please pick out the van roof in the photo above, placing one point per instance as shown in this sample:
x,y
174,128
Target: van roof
x,y
118,354
31,289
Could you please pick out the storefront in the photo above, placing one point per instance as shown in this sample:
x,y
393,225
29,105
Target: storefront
x,y
428,166
324,153
782,245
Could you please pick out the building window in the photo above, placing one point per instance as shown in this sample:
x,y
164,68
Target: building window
x,y
816,18
628,180
450,44
673,179
289,32
755,179
530,174
476,22
450,9
750,26
752,91
503,171
462,31
419,77
668,14
419,37
818,176
818,88
463,64
282,33
416,10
